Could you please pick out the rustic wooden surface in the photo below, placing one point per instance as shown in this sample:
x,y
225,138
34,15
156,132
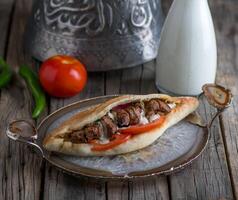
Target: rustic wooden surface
x,y
24,175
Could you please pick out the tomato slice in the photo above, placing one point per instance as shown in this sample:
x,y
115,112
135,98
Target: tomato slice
x,y
137,129
118,139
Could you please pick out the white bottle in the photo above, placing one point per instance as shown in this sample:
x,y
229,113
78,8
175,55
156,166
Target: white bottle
x,y
187,56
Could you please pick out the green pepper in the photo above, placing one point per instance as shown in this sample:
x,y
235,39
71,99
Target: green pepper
x,y
34,85
6,73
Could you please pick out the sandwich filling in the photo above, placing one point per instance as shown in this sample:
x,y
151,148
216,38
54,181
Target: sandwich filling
x,y
119,120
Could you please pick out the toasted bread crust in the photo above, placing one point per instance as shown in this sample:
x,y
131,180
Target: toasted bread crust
x,y
185,105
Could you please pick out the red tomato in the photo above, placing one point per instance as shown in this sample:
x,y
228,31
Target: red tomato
x,y
137,129
62,76
119,139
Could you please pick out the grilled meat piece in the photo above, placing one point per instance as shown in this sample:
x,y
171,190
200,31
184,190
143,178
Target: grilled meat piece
x,y
152,105
129,115
109,126
134,113
93,131
138,106
78,137
156,106
164,107
122,117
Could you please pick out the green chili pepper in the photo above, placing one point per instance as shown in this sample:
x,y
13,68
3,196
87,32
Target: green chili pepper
x,y
35,88
6,73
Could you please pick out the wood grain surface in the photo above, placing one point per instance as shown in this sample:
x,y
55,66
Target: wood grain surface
x,y
6,10
20,169
24,175
226,23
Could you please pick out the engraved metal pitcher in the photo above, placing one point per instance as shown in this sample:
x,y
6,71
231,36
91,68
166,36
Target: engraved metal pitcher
x,y
102,34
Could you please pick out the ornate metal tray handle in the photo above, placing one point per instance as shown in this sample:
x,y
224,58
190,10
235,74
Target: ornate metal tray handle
x,y
218,97
23,131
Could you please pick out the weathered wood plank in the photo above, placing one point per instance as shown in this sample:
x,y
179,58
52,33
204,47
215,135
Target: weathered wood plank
x,y
62,186
225,14
117,190
149,189
6,7
20,172
135,81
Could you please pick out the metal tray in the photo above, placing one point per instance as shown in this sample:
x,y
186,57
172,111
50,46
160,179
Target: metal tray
x,y
176,148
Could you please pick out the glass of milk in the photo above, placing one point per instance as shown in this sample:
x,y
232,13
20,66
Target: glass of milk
x,y
187,57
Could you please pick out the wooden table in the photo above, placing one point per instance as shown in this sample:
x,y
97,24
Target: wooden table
x,y
24,175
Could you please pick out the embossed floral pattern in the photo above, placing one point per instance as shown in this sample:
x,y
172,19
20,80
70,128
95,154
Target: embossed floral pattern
x,y
93,17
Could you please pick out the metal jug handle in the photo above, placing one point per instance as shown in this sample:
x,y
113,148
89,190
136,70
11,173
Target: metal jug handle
x,y
218,97
23,131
